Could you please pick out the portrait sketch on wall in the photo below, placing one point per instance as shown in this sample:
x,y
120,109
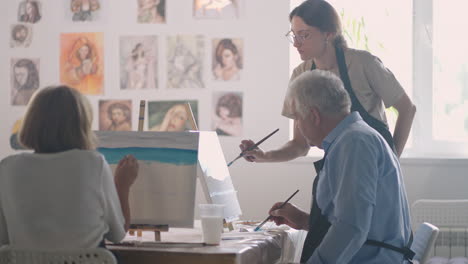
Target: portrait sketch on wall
x,y
227,59
218,9
185,56
138,62
24,80
21,35
115,115
227,113
82,61
151,11
29,11
170,115
84,10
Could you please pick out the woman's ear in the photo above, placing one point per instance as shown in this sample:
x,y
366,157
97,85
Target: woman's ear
x,y
329,37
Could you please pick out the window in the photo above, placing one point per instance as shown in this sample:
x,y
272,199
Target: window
x,y
423,44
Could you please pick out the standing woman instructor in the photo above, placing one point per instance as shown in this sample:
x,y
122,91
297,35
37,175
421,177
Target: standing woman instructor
x,y
317,35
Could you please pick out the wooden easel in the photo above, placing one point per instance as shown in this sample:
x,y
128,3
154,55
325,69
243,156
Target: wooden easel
x,y
157,229
141,115
188,109
228,225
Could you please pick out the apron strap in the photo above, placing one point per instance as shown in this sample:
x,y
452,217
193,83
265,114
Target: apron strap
x,y
406,251
317,221
356,105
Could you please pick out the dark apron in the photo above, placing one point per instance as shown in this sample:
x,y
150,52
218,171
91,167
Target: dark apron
x,y
318,223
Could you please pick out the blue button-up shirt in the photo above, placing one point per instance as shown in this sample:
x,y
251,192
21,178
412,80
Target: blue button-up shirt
x,y
361,192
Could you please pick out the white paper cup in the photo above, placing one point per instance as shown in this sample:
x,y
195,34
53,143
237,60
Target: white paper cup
x,y
212,222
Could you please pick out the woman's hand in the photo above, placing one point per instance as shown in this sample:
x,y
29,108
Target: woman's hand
x,y
125,175
126,172
255,155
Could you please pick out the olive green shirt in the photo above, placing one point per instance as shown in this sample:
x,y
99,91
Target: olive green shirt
x,y
373,84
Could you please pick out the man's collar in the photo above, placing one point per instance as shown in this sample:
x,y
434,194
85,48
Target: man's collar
x,y
342,125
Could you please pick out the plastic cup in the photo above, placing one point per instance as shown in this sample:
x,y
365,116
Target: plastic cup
x,y
212,222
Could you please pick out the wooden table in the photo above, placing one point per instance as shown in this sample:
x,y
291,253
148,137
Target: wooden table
x,y
184,246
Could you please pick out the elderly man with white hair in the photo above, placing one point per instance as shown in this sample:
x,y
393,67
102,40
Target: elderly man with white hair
x,y
360,211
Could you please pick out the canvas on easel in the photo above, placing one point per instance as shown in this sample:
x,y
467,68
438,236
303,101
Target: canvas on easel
x,y
214,176
164,191
213,172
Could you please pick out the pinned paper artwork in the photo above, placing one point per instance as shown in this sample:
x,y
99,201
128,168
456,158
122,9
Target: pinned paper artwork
x,y
171,116
227,113
82,62
185,56
115,115
84,10
14,142
164,191
218,9
21,35
227,59
138,62
24,80
152,11
29,11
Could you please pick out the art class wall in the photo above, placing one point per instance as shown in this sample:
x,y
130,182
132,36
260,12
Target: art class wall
x,y
260,27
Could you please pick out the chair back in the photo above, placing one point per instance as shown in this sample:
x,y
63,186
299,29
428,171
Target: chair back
x,y
423,241
10,255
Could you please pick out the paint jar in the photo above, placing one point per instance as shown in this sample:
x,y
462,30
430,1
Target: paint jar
x,y
212,222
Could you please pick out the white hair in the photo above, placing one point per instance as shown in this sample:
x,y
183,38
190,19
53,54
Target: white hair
x,y
321,89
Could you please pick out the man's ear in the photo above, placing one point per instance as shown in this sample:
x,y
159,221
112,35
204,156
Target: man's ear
x,y
315,116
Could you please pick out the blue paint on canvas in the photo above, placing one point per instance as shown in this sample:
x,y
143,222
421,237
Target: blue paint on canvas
x,y
163,155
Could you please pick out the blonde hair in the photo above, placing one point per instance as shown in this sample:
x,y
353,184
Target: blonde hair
x,y
58,119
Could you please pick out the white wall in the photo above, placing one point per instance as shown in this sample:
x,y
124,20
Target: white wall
x,y
265,79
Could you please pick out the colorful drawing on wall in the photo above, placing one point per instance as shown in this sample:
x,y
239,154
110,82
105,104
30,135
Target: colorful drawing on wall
x,y
84,10
185,56
152,11
227,59
115,115
170,116
138,62
82,62
24,80
29,11
14,142
227,113
164,190
222,9
21,35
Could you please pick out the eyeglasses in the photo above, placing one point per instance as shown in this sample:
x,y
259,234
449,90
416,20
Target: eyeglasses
x,y
298,38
